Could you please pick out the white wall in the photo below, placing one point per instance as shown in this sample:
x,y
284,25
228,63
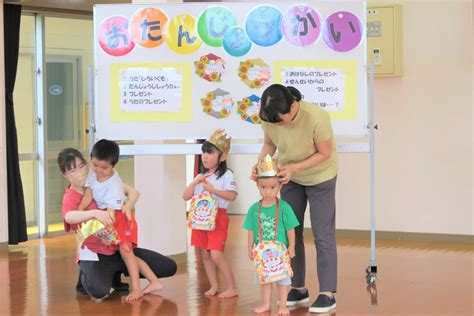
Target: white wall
x,y
3,144
161,210
423,145
424,142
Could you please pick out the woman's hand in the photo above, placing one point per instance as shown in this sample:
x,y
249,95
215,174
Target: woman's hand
x,y
105,217
250,253
253,174
286,173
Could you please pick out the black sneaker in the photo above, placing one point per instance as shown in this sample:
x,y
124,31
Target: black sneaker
x,y
117,283
121,287
323,304
296,297
80,290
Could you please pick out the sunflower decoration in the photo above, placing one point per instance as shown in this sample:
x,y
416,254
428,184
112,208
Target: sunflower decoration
x,y
248,108
224,112
200,66
206,102
215,76
244,67
255,73
210,96
218,103
210,67
207,109
257,83
255,119
242,107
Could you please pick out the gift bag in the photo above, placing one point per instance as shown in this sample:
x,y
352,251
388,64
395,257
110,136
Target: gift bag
x,y
203,212
107,234
272,262
271,257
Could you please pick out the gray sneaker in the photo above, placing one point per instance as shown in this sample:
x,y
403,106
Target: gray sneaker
x,y
296,297
323,304
100,300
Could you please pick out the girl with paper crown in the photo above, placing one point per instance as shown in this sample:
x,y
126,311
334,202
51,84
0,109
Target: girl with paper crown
x,y
271,237
216,185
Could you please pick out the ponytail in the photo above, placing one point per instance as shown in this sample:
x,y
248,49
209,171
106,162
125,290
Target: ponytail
x,y
295,93
277,100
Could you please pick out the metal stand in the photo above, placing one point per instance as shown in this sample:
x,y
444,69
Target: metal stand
x,y
91,128
371,270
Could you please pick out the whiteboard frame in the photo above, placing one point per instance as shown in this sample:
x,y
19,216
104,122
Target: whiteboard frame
x,y
101,126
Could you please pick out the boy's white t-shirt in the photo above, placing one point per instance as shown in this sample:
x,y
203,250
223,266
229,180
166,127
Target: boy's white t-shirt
x,y
224,183
107,194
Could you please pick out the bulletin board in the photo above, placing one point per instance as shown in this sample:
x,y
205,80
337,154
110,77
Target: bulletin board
x,y
180,71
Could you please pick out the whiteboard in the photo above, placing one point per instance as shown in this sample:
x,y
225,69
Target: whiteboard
x,y
142,92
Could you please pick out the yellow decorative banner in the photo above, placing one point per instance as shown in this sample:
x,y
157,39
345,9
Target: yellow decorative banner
x,y
150,92
331,84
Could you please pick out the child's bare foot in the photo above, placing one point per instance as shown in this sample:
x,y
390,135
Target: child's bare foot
x,y
228,293
262,309
154,286
283,311
211,292
134,295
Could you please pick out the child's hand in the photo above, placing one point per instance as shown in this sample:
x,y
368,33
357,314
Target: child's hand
x,y
107,218
200,179
250,253
128,211
291,252
208,187
111,213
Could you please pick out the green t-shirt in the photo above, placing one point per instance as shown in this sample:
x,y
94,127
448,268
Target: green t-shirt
x,y
286,221
296,142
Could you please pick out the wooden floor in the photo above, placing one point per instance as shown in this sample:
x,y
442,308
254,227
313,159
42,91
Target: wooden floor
x,y
38,278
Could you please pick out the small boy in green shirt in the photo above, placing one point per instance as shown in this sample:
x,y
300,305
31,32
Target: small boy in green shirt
x,y
269,186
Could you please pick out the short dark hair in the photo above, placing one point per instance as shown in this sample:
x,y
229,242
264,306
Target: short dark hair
x,y
208,147
277,99
106,150
67,159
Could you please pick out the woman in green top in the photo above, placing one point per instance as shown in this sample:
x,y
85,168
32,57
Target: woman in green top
x,y
303,135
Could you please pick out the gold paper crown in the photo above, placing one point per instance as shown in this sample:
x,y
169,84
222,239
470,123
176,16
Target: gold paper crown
x,y
221,140
267,167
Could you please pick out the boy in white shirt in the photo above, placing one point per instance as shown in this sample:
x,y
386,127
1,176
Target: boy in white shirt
x,y
104,185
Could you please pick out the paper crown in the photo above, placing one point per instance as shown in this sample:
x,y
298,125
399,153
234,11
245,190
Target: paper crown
x,y
267,167
221,140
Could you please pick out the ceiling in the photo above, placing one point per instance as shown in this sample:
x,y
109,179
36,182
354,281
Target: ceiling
x,y
56,6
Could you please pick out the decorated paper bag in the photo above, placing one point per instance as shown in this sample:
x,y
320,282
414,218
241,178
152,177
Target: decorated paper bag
x,y
203,212
107,234
272,261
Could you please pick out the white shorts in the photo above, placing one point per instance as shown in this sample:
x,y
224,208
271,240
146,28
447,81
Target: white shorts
x,y
285,281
